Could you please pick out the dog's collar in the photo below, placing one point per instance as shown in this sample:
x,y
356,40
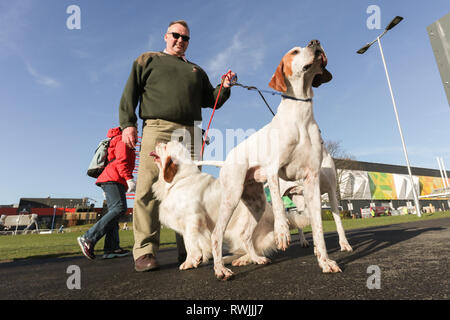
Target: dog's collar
x,y
296,99
234,83
271,92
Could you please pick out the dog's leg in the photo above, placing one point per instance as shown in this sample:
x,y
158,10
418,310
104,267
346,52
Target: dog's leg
x,y
303,242
231,195
205,246
247,240
227,207
345,246
301,219
193,258
192,243
203,235
312,201
254,199
281,227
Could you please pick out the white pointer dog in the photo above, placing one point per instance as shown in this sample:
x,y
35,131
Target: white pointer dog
x,y
289,147
190,201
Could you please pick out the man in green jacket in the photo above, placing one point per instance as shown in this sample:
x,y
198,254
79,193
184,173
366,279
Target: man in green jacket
x,y
170,91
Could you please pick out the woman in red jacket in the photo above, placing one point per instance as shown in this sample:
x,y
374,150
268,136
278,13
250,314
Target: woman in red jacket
x,y
115,180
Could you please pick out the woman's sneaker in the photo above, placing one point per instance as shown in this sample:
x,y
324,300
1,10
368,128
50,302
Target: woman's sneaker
x,y
86,247
116,253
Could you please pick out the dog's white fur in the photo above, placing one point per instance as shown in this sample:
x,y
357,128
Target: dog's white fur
x,y
190,201
289,147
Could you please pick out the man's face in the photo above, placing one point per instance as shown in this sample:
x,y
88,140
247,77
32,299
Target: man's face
x,y
176,46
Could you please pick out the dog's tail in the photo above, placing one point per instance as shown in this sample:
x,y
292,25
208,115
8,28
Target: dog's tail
x,y
199,163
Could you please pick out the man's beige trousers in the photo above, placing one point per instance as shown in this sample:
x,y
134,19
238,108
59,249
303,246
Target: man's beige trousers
x,y
146,225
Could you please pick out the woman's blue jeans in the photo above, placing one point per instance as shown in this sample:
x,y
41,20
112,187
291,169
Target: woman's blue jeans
x,y
108,225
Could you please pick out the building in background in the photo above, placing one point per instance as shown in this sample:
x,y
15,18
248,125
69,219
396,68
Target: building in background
x,y
82,204
365,184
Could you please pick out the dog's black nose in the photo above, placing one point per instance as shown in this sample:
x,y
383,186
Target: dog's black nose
x,y
314,43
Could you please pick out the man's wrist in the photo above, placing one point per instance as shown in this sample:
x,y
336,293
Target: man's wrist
x,y
123,127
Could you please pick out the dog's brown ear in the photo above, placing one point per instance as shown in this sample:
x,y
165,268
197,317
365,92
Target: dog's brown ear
x,y
325,77
277,82
170,170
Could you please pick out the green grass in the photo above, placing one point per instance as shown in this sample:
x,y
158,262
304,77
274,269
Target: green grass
x,y
65,244
349,224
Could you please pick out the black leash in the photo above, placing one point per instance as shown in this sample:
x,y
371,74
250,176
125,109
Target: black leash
x,y
270,92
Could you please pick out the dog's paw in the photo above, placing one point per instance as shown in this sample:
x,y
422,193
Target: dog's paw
x,y
261,260
190,263
282,236
303,242
246,260
329,266
345,246
242,261
186,265
283,241
222,273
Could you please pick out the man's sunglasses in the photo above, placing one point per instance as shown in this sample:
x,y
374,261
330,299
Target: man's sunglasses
x,y
177,35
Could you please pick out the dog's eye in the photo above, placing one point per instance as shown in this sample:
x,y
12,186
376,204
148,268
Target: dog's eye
x,y
307,67
294,52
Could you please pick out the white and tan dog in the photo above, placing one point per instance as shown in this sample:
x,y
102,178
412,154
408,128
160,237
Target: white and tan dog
x,y
289,147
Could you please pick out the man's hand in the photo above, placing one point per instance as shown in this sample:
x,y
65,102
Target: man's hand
x,y
129,137
227,80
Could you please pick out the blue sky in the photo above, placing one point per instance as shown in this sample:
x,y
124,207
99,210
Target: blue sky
x,y
60,88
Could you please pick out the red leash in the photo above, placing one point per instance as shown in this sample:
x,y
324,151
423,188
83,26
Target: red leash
x,y
225,76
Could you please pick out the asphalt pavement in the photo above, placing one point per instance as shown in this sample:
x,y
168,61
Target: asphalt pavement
x,y
403,261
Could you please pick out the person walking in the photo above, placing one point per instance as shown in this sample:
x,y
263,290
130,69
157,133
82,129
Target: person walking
x,y
171,91
115,180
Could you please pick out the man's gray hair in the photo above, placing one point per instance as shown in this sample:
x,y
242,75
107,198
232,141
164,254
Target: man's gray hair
x,y
182,22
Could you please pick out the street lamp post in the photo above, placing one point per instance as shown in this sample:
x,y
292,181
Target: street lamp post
x,y
54,212
392,24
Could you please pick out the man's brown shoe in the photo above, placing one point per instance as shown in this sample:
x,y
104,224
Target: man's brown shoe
x,y
146,262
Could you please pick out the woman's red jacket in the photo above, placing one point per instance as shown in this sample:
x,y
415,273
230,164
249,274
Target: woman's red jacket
x,y
121,160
